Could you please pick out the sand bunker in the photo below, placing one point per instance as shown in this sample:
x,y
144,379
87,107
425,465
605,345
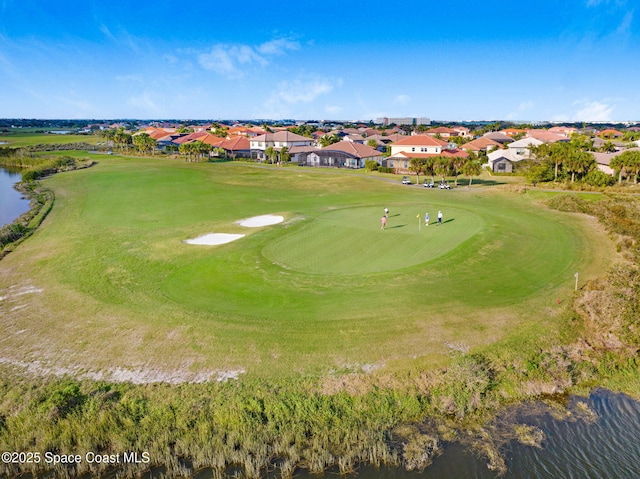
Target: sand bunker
x,y
264,220
213,239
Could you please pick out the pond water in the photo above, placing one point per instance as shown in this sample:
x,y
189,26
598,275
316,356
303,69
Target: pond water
x,y
12,204
583,445
580,447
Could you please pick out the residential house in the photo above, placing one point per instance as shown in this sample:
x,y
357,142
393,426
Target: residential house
x,y
400,162
277,140
603,160
344,154
498,137
442,132
610,133
237,147
565,131
546,136
463,131
502,161
512,132
481,144
418,144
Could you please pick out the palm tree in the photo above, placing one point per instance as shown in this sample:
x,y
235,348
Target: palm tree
x,y
417,166
270,153
627,163
429,166
442,166
579,163
471,167
284,156
457,163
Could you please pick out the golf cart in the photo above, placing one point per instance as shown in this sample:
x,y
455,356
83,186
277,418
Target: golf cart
x,y
444,185
428,184
406,180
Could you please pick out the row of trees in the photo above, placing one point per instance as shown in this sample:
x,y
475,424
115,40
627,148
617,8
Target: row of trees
x,y
278,156
446,166
570,162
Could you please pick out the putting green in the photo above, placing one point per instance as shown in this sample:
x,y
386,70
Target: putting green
x,y
350,240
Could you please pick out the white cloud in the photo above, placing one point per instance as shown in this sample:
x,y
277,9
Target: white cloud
x,y
526,105
123,37
625,25
227,60
144,103
522,107
401,99
130,78
593,111
289,94
171,59
277,47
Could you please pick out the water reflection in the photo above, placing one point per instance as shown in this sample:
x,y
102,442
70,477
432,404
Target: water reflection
x,y
580,446
12,203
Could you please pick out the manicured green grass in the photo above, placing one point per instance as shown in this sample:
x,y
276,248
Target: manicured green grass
x,y
325,290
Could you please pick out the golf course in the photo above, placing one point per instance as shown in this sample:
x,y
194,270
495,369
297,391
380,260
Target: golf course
x,y
108,288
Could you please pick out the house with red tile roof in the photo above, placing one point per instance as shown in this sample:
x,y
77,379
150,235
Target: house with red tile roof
x,y
418,144
442,131
610,133
481,144
463,131
566,131
546,136
237,147
400,162
512,131
344,154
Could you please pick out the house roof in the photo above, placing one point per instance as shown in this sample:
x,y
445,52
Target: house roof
x,y
235,144
526,142
302,149
445,153
281,136
481,143
610,132
419,140
511,131
499,137
442,129
357,150
546,136
605,158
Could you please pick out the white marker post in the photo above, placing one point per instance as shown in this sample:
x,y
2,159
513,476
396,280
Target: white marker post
x,y
576,276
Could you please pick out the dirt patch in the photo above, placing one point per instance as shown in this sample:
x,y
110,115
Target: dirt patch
x,y
122,375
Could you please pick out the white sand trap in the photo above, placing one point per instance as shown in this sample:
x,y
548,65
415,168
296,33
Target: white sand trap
x,y
213,239
264,220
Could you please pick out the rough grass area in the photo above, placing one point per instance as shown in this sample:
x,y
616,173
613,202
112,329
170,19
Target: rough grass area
x,y
325,291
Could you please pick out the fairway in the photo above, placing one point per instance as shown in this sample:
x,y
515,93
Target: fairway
x,y
108,282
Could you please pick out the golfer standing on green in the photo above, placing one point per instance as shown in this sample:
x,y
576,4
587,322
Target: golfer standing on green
x,y
439,217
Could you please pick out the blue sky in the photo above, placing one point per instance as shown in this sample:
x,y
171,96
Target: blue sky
x,y
573,60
